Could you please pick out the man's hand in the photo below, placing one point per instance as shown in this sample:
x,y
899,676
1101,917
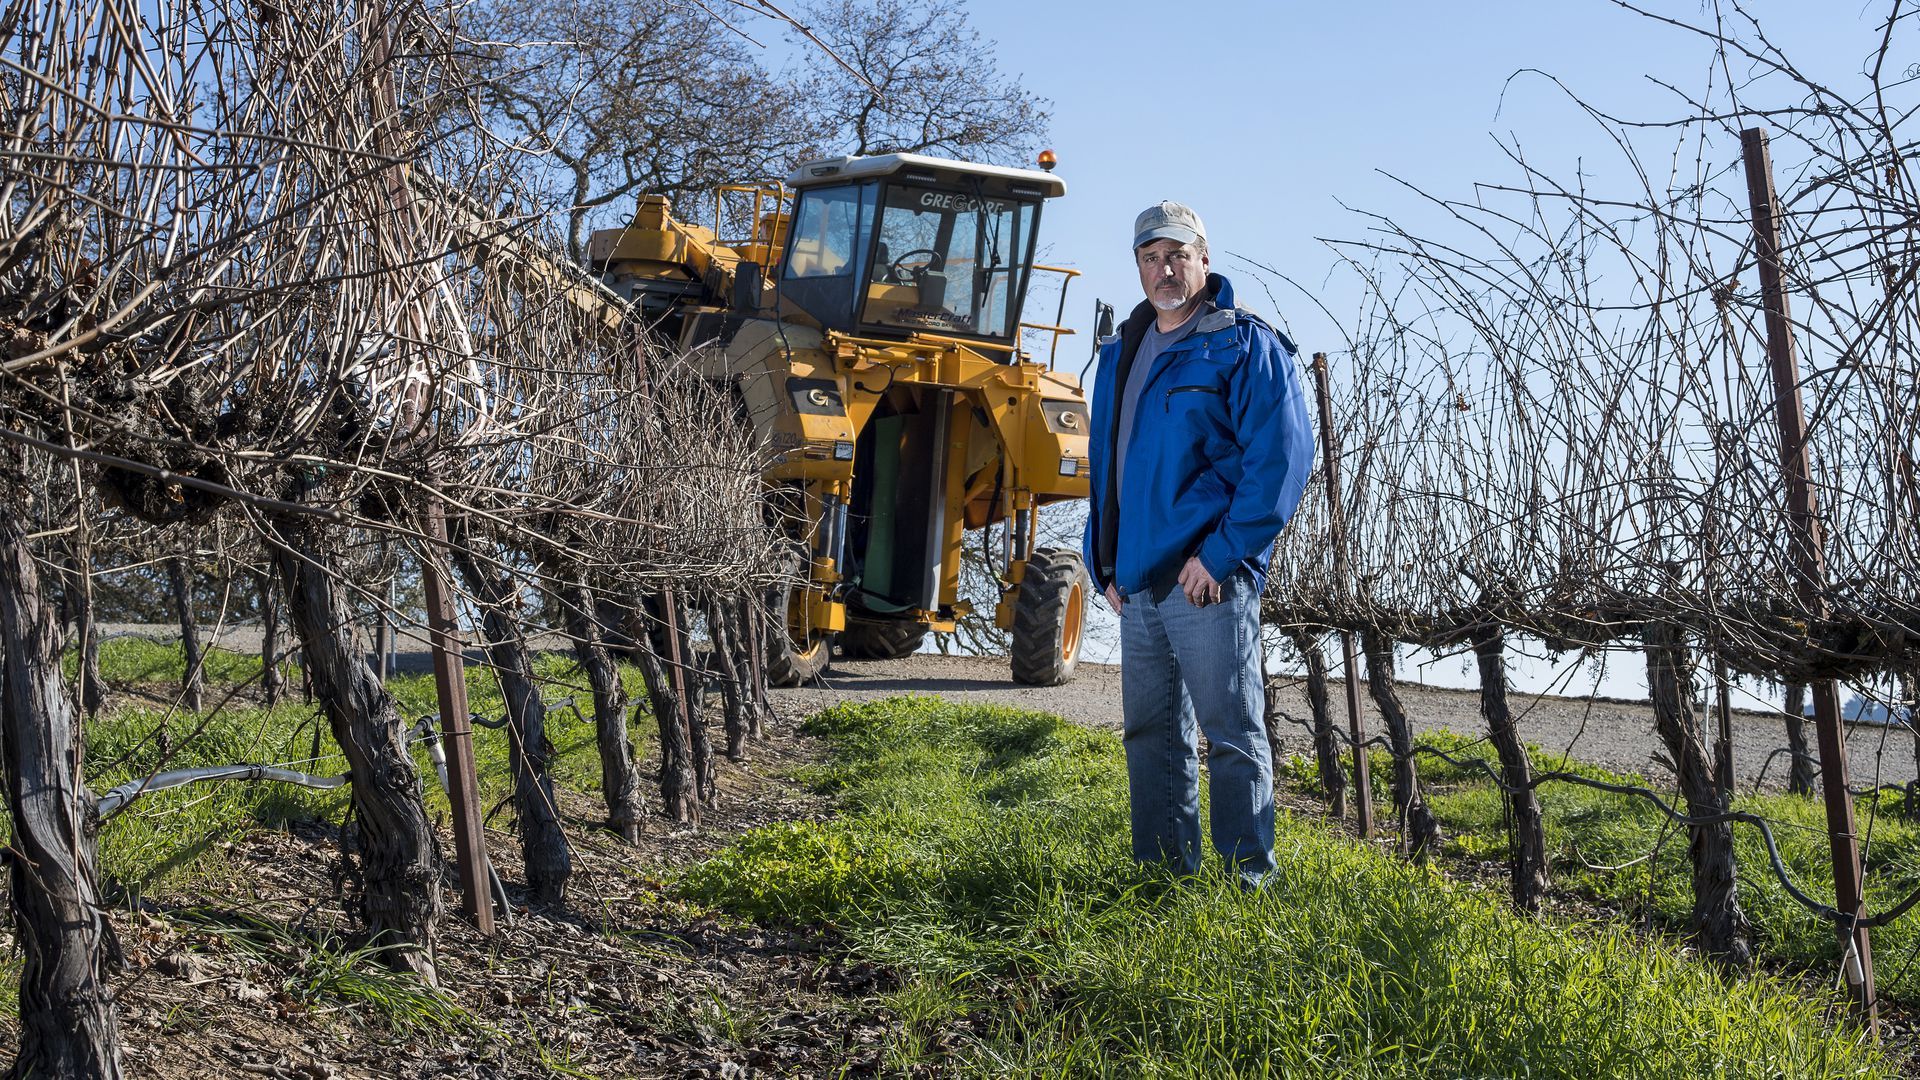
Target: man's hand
x,y
1199,585
1115,600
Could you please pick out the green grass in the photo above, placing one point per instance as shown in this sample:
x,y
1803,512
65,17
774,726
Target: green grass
x,y
138,660
1589,831
576,759
982,851
176,838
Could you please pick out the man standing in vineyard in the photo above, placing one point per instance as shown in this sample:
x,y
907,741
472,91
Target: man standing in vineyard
x,y
1201,449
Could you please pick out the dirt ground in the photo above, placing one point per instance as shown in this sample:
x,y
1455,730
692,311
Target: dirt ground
x,y
624,982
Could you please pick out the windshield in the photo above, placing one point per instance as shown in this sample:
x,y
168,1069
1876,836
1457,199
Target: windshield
x,y
949,261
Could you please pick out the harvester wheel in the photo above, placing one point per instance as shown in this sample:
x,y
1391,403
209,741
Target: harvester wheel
x,y
1050,617
880,639
796,653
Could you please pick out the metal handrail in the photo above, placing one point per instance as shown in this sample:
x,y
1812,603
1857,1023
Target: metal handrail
x,y
1060,316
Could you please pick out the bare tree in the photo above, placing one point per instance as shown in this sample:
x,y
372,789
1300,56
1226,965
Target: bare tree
x,y
543,841
916,78
1326,746
633,97
1529,859
619,778
660,97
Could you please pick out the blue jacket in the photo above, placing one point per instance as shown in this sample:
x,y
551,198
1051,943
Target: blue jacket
x,y
1219,454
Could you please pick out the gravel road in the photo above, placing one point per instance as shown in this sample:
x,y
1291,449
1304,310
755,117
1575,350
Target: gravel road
x,y
1617,734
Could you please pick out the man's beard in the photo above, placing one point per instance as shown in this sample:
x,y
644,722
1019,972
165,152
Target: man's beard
x,y
1172,303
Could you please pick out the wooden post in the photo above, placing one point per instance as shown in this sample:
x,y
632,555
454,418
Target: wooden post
x,y
1804,536
1336,534
448,647
456,729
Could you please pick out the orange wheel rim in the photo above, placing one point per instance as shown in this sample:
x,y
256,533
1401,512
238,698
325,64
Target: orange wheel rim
x,y
1070,632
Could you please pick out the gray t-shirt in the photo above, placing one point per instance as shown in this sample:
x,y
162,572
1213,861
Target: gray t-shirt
x,y
1152,345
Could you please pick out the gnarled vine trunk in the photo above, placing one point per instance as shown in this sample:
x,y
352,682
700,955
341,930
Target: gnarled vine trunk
x,y
1800,767
399,865
678,789
67,1022
727,669
1326,747
543,842
1717,919
1422,832
753,644
619,778
181,585
1528,859
677,647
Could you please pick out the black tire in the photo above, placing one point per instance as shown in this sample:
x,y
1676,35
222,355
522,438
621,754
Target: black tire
x,y
1050,617
793,660
880,639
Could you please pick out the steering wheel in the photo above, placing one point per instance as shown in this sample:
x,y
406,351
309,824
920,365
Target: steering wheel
x,y
904,272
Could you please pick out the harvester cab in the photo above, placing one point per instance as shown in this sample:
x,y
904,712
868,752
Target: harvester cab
x,y
869,327
900,244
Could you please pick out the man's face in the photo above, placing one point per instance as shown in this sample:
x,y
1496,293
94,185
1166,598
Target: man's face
x,y
1173,273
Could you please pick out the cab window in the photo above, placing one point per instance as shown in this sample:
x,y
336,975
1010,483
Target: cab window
x,y
823,241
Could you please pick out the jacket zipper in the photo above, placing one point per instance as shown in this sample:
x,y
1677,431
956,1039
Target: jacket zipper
x,y
1167,404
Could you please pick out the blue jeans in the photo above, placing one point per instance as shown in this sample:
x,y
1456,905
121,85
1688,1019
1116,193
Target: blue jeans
x,y
1179,662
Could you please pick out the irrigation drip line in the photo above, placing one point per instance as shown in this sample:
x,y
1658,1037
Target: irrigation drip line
x,y
1845,921
118,797
1768,764
1376,740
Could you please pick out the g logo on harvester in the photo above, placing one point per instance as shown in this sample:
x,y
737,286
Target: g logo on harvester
x,y
815,397
1065,417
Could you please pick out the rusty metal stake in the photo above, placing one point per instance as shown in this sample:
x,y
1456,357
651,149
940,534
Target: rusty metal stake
x,y
1337,535
1809,570
456,729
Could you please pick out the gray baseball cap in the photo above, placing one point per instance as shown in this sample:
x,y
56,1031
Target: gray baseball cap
x,y
1168,221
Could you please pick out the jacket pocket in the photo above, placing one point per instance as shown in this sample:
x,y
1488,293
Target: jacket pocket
x,y
1168,405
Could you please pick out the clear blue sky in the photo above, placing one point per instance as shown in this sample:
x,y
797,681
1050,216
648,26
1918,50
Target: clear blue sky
x,y
1265,117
